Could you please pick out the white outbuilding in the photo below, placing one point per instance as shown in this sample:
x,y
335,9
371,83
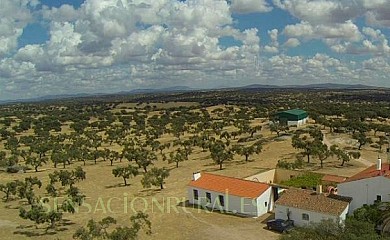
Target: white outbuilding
x,y
367,186
228,194
305,207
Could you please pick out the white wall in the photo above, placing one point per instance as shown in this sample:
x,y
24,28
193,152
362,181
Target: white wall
x,y
364,191
234,204
264,177
314,217
297,123
266,197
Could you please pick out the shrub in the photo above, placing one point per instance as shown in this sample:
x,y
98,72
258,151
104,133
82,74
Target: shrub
x,y
307,180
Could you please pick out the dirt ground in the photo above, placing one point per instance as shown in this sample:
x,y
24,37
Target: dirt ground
x,y
170,216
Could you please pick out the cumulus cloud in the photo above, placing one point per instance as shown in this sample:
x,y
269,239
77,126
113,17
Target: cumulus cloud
x,y
250,6
345,31
291,43
374,42
273,47
149,41
114,45
15,15
321,11
376,12
64,13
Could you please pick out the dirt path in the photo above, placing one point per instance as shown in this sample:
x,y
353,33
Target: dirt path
x,y
211,229
361,160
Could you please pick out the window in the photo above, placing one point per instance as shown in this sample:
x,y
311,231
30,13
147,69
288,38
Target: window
x,y
196,194
208,197
265,204
221,200
305,216
378,198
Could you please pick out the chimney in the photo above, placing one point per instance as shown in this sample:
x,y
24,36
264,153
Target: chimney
x,y
195,176
319,189
379,164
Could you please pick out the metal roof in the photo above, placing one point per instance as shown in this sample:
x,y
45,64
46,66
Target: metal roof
x,y
294,111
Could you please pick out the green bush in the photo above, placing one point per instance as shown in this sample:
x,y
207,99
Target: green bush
x,y
307,180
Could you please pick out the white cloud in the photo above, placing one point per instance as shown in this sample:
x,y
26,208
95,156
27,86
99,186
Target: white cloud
x,y
15,15
273,47
374,42
250,6
321,11
344,31
114,45
292,43
64,13
376,12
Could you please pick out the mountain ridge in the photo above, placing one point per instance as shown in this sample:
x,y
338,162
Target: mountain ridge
x,y
173,89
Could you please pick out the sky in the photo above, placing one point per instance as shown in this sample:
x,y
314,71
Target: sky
x,y
55,47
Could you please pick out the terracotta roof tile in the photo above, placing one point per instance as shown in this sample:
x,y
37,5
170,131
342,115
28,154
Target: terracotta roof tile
x,y
371,172
333,178
234,186
312,201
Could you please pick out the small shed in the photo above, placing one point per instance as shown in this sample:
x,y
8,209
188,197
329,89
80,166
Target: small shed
x,y
291,117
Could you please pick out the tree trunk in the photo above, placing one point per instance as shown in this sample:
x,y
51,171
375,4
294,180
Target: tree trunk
x,y
124,179
161,186
220,166
308,158
177,164
246,157
52,224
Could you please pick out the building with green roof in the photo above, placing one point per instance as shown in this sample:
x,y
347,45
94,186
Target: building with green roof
x,y
292,117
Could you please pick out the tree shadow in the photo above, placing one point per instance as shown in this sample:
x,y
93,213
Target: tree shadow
x,y
209,164
149,192
118,185
11,207
32,231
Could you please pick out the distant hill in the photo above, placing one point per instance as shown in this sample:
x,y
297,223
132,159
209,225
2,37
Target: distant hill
x,y
312,86
159,90
335,86
189,89
82,95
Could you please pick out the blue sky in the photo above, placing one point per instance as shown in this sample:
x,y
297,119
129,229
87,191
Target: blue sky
x,y
74,46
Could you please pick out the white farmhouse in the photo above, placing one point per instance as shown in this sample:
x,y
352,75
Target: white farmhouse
x,y
305,207
367,186
230,194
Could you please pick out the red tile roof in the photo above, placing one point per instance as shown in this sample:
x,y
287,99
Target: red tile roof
x,y
333,178
312,201
371,172
233,186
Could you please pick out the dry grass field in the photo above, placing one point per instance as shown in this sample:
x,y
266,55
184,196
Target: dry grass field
x,y
170,216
